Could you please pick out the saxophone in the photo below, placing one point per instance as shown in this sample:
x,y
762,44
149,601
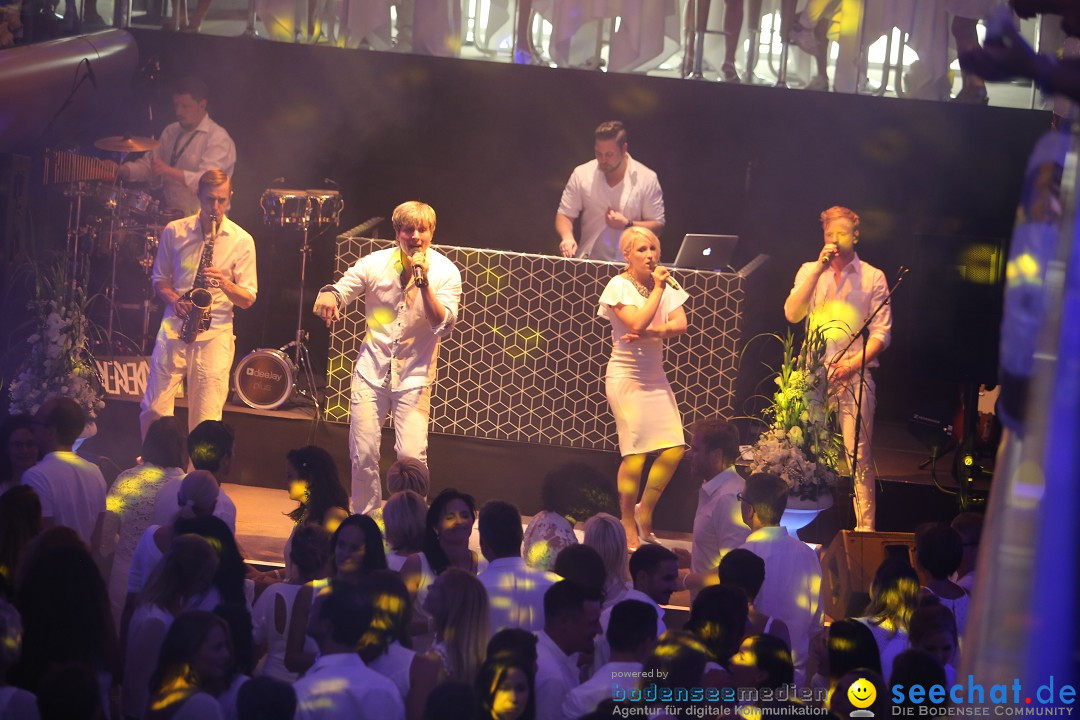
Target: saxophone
x,y
198,319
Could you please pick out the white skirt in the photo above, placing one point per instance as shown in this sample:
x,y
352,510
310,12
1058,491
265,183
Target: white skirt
x,y
646,417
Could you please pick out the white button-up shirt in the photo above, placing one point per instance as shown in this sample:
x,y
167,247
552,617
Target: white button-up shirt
x,y
588,194
516,593
177,263
792,588
400,346
207,147
718,523
556,675
844,307
340,686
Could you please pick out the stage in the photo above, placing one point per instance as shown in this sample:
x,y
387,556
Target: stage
x,y
513,471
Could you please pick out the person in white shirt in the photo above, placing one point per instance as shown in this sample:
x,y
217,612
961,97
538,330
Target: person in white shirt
x,y
836,293
792,587
571,621
189,147
718,523
515,590
204,250
210,448
411,296
610,194
969,525
339,684
655,572
631,641
71,490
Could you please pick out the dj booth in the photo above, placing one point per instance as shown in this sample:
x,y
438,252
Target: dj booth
x,y
525,361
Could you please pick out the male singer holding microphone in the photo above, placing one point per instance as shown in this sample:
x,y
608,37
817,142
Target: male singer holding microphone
x,y
839,291
411,296
231,280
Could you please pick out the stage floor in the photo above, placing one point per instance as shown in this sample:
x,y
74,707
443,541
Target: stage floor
x,y
907,494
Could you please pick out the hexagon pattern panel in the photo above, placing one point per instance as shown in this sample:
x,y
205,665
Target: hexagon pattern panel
x,y
526,359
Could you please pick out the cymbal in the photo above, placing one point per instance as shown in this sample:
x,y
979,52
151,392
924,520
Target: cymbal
x,y
126,144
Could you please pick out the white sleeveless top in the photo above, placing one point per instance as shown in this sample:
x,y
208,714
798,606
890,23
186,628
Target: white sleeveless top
x,y
264,630
395,664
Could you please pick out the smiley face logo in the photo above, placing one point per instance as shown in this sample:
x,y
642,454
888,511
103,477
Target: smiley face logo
x,y
862,693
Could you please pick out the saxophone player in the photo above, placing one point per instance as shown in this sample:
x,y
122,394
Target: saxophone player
x,y
210,251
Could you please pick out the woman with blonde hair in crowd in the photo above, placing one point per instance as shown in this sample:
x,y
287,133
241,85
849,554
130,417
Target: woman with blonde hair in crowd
x,y
644,310
458,606
605,534
403,520
186,570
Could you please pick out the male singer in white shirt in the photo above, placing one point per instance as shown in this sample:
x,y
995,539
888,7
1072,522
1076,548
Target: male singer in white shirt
x,y
232,282
189,147
839,292
411,296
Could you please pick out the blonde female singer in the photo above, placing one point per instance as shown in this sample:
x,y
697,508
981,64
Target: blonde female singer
x,y
643,309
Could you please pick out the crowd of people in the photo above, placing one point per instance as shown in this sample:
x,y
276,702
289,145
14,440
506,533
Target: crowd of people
x,y
141,613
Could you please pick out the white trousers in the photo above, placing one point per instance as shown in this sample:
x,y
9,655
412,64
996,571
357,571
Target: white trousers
x,y
204,363
368,407
845,399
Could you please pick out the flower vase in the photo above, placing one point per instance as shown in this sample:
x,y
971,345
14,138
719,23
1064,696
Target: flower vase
x,y
800,513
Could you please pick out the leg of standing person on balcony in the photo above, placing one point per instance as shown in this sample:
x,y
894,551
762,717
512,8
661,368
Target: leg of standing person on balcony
x,y
733,20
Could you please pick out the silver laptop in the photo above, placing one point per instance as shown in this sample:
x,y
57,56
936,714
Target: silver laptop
x,y
706,252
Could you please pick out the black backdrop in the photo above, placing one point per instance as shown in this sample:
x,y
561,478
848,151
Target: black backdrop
x,y
491,145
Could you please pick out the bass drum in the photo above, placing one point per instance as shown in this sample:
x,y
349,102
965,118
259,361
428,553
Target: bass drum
x,y
264,379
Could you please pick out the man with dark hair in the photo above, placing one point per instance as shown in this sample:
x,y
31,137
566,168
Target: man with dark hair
x,y
189,147
610,194
515,590
630,638
718,524
571,621
339,684
654,570
744,570
211,253
210,447
71,490
792,587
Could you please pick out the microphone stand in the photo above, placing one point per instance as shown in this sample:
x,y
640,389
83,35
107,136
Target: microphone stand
x,y
864,334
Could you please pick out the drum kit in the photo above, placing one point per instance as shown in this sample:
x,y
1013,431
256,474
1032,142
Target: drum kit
x,y
124,224
267,378
122,228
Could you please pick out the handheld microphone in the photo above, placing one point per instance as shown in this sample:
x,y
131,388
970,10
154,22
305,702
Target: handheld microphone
x,y
672,284
828,258
90,73
419,276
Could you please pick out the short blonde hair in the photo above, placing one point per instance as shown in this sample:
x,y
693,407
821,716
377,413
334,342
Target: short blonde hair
x,y
636,232
408,474
403,517
839,212
606,535
413,212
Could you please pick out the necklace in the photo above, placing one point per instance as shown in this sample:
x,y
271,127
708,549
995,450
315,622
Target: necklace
x,y
642,290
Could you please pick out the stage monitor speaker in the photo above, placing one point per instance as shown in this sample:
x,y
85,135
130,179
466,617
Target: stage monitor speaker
x,y
849,564
14,207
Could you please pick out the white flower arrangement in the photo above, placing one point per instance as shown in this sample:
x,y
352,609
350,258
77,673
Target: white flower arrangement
x,y
58,361
801,442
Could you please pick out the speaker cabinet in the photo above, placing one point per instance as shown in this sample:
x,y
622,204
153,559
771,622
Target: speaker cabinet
x,y
849,563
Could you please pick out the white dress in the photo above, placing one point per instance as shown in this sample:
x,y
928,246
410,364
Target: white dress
x,y
646,417
264,630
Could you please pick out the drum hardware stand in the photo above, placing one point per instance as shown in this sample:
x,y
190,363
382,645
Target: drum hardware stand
x,y
301,356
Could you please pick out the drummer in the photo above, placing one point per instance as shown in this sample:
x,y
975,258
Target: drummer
x,y
189,147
